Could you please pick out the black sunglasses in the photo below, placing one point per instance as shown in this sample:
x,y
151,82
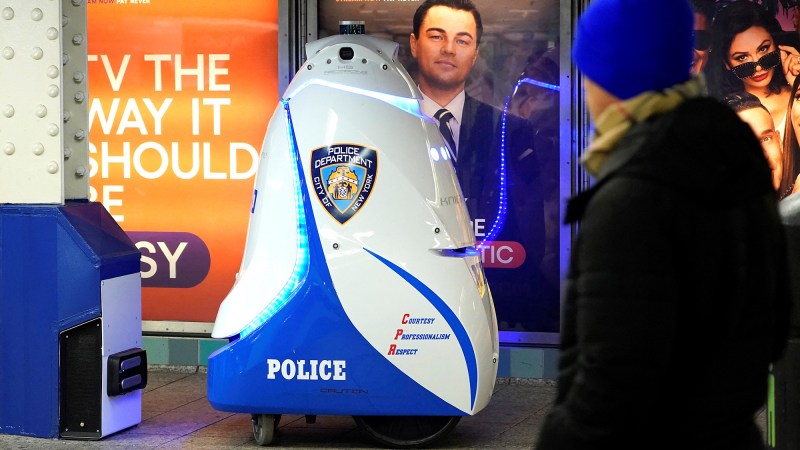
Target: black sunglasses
x,y
702,39
768,61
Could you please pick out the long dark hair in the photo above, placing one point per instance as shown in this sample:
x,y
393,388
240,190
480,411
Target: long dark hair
x,y
732,19
791,148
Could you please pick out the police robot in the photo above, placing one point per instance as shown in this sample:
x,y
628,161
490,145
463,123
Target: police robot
x,y
360,291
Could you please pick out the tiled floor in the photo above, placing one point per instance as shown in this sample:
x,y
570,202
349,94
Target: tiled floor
x,y
177,415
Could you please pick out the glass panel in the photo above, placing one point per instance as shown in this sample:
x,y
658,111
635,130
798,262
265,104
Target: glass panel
x,y
516,76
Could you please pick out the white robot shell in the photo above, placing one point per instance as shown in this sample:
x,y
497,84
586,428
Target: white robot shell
x,y
387,208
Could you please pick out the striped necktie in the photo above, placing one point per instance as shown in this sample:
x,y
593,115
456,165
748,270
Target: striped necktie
x,y
444,116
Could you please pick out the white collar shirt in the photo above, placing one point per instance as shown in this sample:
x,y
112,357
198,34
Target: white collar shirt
x,y
456,107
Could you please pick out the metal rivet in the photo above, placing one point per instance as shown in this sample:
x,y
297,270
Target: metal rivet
x,y
437,230
52,72
78,77
80,135
8,13
52,168
37,53
67,116
52,34
52,129
80,171
309,67
385,67
9,148
79,97
8,111
52,90
37,14
37,149
65,58
77,39
335,246
40,111
8,53
67,152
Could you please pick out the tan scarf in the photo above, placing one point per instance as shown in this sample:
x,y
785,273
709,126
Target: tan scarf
x,y
618,117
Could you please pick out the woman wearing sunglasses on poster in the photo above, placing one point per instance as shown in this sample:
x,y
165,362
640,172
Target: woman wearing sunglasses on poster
x,y
746,57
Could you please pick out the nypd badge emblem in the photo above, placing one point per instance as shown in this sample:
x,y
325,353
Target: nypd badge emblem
x,y
344,177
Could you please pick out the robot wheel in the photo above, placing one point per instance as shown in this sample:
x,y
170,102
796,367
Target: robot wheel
x,y
264,426
406,431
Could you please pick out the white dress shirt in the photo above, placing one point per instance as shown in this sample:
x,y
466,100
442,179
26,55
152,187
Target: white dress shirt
x,y
456,107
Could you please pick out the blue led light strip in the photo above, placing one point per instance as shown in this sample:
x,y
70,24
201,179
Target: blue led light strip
x,y
502,207
449,316
301,264
409,105
502,204
541,84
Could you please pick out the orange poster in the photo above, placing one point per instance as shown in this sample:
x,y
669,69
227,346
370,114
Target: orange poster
x,y
180,94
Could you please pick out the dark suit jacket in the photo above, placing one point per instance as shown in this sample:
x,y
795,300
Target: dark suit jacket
x,y
525,300
479,151
479,155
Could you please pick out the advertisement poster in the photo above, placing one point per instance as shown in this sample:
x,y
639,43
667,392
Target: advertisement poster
x,y
517,70
180,95
756,74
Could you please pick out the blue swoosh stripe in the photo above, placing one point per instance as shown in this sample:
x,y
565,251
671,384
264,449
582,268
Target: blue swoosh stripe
x,y
449,316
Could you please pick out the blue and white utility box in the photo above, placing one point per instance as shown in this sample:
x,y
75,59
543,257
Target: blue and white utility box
x,y
71,363
360,290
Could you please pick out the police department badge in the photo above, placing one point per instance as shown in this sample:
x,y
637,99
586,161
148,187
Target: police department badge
x,y
344,177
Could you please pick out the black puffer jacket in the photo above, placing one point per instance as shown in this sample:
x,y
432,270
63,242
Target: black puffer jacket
x,y
677,298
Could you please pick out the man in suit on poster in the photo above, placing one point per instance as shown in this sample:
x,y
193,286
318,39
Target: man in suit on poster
x,y
444,42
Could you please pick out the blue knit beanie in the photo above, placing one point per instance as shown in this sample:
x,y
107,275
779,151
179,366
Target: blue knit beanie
x,y
631,46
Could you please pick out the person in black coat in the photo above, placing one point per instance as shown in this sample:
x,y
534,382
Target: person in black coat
x,y
676,300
